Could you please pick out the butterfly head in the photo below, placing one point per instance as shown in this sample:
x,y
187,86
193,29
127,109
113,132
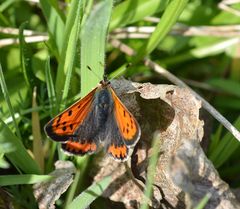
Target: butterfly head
x,y
105,82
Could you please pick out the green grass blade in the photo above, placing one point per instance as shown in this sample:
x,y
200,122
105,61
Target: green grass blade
x,y
20,157
226,85
55,4
215,139
38,151
74,186
6,147
227,146
69,50
131,11
50,88
201,52
88,4
25,58
22,179
93,42
3,163
151,171
168,19
7,99
90,194
204,201
55,24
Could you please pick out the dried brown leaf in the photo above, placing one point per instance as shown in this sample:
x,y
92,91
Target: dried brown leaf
x,y
46,193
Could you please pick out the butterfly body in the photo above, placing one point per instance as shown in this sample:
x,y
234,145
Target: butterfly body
x,y
99,118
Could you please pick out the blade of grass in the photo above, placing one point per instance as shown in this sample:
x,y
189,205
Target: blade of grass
x,y
3,163
90,194
71,52
93,40
215,139
227,85
151,171
6,147
53,110
55,25
204,201
68,52
50,88
225,148
25,58
88,4
36,131
20,157
79,183
55,4
7,99
73,188
118,72
131,11
168,19
23,179
201,52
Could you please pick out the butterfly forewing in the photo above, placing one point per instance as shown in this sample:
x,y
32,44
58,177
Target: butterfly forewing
x,y
63,126
128,125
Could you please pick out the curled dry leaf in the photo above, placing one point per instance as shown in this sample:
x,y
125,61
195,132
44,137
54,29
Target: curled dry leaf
x,y
174,112
46,193
199,178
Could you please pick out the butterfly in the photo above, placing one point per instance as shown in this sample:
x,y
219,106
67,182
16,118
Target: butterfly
x,y
100,118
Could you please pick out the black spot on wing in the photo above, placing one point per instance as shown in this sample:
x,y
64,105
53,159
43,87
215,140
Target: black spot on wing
x,y
59,118
69,112
50,132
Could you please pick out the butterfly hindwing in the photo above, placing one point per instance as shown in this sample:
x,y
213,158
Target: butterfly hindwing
x,y
118,151
79,148
62,127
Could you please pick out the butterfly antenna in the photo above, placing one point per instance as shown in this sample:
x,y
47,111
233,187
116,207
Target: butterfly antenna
x,y
89,68
121,71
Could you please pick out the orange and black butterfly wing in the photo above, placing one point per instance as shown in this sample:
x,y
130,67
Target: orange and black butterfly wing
x,y
65,127
124,130
62,127
80,147
115,145
127,124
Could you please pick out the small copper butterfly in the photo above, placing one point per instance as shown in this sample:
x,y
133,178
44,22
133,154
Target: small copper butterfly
x,y
100,118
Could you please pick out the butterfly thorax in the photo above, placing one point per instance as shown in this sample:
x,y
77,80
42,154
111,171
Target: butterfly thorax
x,y
103,99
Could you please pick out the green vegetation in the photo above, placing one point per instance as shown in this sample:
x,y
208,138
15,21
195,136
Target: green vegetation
x,y
48,46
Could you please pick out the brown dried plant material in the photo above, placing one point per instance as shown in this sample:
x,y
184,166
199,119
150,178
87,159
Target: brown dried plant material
x,y
173,111
46,193
198,179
